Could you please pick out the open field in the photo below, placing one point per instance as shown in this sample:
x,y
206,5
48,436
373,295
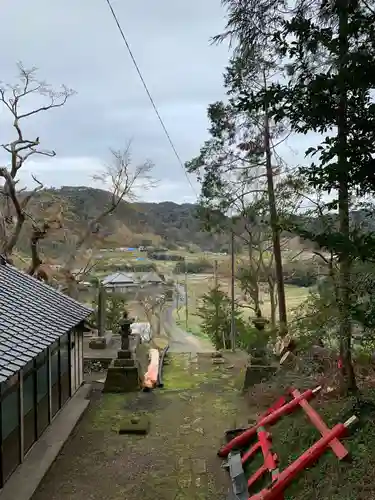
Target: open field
x,y
198,285
111,260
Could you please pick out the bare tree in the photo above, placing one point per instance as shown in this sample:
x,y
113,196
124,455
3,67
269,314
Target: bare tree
x,y
153,307
13,204
254,229
122,178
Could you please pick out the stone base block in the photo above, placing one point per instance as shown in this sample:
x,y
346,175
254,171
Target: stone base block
x,y
124,354
98,343
123,362
122,379
256,374
135,425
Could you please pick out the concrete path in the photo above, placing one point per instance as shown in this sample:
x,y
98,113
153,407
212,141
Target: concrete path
x,y
181,341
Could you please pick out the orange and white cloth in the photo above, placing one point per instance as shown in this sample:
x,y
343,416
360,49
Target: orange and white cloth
x,y
151,376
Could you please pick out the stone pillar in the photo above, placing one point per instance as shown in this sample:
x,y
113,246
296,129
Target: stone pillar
x,y
123,374
102,303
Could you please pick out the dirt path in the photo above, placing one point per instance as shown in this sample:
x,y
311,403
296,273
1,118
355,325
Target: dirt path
x,y
181,341
175,461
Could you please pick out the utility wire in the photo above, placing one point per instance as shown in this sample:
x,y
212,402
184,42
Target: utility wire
x,y
149,94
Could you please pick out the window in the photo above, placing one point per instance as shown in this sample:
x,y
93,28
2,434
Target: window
x,y
55,382
64,354
42,381
28,394
64,368
11,441
55,368
10,413
42,391
29,411
10,382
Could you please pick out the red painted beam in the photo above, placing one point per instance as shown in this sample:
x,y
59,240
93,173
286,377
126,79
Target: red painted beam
x,y
243,439
278,404
249,453
266,445
338,448
257,475
305,460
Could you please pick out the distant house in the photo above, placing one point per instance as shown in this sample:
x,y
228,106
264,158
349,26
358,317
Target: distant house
x,y
120,282
41,360
151,279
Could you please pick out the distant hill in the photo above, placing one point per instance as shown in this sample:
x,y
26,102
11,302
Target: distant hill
x,y
164,224
167,224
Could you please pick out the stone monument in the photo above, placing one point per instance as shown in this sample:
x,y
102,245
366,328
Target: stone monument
x,y
259,368
123,374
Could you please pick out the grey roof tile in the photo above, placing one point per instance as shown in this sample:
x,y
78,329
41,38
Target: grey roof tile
x,y
32,316
151,277
119,278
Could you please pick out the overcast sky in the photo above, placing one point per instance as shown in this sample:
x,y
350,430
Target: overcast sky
x,y
77,43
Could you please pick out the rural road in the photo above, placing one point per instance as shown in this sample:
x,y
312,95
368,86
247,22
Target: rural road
x,y
180,340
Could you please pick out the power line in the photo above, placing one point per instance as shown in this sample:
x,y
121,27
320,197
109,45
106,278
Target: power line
x,y
149,94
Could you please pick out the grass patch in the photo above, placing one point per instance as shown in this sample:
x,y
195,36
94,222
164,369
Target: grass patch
x,y
199,285
109,413
181,373
194,323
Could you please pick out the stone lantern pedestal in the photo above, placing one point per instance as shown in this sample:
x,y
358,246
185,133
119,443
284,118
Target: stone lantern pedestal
x,y
123,373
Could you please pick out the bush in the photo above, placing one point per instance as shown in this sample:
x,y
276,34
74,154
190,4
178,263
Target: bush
x,y
252,340
115,307
200,266
302,273
164,256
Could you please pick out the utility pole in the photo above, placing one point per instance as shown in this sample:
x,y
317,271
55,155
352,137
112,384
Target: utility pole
x,y
274,223
216,284
177,295
232,322
186,299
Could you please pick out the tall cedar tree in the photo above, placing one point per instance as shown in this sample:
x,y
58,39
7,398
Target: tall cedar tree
x,y
234,165
330,49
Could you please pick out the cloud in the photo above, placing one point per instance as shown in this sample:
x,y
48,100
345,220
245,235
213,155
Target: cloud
x,y
77,43
80,171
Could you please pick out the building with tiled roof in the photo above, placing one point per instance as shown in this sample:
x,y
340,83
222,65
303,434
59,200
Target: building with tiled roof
x,y
41,360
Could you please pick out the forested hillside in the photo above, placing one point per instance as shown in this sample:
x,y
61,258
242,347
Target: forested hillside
x,y
165,223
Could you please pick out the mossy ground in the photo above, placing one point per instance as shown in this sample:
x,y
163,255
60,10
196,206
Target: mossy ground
x,y
176,460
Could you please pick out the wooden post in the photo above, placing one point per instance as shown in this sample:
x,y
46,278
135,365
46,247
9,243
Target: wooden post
x,y
232,319
186,299
102,303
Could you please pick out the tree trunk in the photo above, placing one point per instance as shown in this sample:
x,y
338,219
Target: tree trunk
x,y
254,268
275,227
271,291
345,326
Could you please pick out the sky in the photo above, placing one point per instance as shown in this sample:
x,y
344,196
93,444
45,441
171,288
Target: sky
x,y
77,43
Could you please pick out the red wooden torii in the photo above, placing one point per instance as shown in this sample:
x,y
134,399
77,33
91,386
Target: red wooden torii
x,y
279,480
